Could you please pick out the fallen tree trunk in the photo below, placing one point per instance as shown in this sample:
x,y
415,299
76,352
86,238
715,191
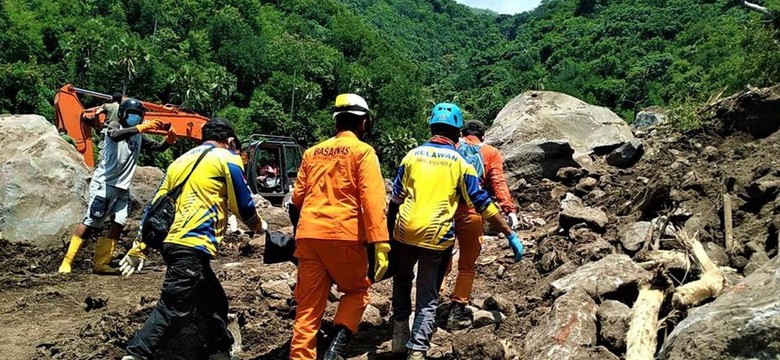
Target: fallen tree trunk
x,y
668,259
709,285
642,336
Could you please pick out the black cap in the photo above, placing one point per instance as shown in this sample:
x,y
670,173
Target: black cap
x,y
474,125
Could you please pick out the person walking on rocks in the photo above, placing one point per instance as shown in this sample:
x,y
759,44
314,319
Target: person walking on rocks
x,y
432,179
341,235
109,190
190,319
469,226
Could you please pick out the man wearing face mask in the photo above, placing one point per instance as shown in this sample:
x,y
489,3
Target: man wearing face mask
x,y
109,190
341,234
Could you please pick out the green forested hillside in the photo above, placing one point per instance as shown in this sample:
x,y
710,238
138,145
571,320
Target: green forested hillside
x,y
244,59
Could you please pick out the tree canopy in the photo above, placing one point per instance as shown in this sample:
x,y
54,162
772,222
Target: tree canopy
x,y
276,66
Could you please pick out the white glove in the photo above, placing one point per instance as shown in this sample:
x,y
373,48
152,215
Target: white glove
x,y
134,260
512,220
264,226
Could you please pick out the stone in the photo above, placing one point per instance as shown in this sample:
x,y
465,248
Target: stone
x,y
573,212
539,132
626,155
569,174
614,317
543,287
611,274
633,236
710,153
146,181
586,185
276,289
499,303
372,317
652,116
757,260
717,254
44,183
382,303
742,323
484,318
570,328
276,217
479,344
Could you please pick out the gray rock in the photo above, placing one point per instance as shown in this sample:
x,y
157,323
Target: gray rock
x,y
633,236
44,183
277,289
499,303
614,318
573,212
742,323
569,174
610,274
551,130
586,185
484,318
569,329
650,117
626,155
710,153
146,181
717,254
757,260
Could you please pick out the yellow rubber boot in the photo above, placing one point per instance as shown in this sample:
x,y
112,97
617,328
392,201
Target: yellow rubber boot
x,y
73,250
104,250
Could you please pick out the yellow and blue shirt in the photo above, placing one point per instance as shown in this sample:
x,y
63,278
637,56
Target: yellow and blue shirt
x,y
216,186
432,179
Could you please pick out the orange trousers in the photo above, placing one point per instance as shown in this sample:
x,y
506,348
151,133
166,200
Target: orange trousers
x,y
468,231
320,263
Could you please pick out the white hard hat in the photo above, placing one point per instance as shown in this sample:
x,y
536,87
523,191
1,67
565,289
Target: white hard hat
x,y
351,103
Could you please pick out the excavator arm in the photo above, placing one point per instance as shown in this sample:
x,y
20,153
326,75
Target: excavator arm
x,y
79,122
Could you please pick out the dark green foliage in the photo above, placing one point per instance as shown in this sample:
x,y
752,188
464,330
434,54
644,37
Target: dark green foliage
x,y
276,66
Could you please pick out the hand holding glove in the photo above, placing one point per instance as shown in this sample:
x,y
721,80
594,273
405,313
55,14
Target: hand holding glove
x,y
379,260
134,259
149,126
516,244
512,220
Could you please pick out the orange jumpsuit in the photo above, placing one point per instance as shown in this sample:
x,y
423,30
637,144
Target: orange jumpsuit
x,y
469,224
341,196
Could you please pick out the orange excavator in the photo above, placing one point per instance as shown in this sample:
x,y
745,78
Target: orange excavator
x,y
271,162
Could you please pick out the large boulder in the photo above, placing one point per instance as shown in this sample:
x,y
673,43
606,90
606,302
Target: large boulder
x,y
742,323
568,332
544,131
146,181
613,273
44,183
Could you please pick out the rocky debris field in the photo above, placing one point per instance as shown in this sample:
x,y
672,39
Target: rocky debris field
x,y
649,243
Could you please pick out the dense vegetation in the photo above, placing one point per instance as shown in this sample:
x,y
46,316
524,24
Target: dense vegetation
x,y
276,66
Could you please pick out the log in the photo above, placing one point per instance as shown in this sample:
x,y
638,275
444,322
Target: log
x,y
755,7
642,336
669,259
709,285
728,224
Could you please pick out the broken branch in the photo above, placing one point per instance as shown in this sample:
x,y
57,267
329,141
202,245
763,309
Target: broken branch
x,y
669,259
642,336
709,285
728,224
754,7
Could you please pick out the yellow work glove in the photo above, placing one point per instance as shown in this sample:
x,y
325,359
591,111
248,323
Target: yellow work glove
x,y
170,138
134,259
149,126
380,261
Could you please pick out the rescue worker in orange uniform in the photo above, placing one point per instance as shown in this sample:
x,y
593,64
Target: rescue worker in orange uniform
x,y
341,234
469,225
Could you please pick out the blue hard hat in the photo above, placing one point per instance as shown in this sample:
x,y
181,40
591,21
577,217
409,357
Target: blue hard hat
x,y
446,113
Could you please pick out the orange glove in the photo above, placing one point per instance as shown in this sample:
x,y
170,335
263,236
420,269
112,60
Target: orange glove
x,y
170,138
149,126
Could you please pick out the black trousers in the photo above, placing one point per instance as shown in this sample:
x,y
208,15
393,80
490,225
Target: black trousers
x,y
190,320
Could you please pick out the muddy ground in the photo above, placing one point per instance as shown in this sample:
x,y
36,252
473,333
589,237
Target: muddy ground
x,y
85,316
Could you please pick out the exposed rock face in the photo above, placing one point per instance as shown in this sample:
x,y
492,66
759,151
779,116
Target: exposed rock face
x,y
540,132
44,183
602,277
742,323
568,332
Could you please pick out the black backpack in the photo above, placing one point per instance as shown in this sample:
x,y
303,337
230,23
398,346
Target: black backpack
x,y
161,213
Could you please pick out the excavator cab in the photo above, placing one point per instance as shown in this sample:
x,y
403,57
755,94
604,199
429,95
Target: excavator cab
x,y
272,166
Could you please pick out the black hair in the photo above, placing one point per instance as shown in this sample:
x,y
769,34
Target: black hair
x,y
475,132
348,121
116,97
445,130
218,129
